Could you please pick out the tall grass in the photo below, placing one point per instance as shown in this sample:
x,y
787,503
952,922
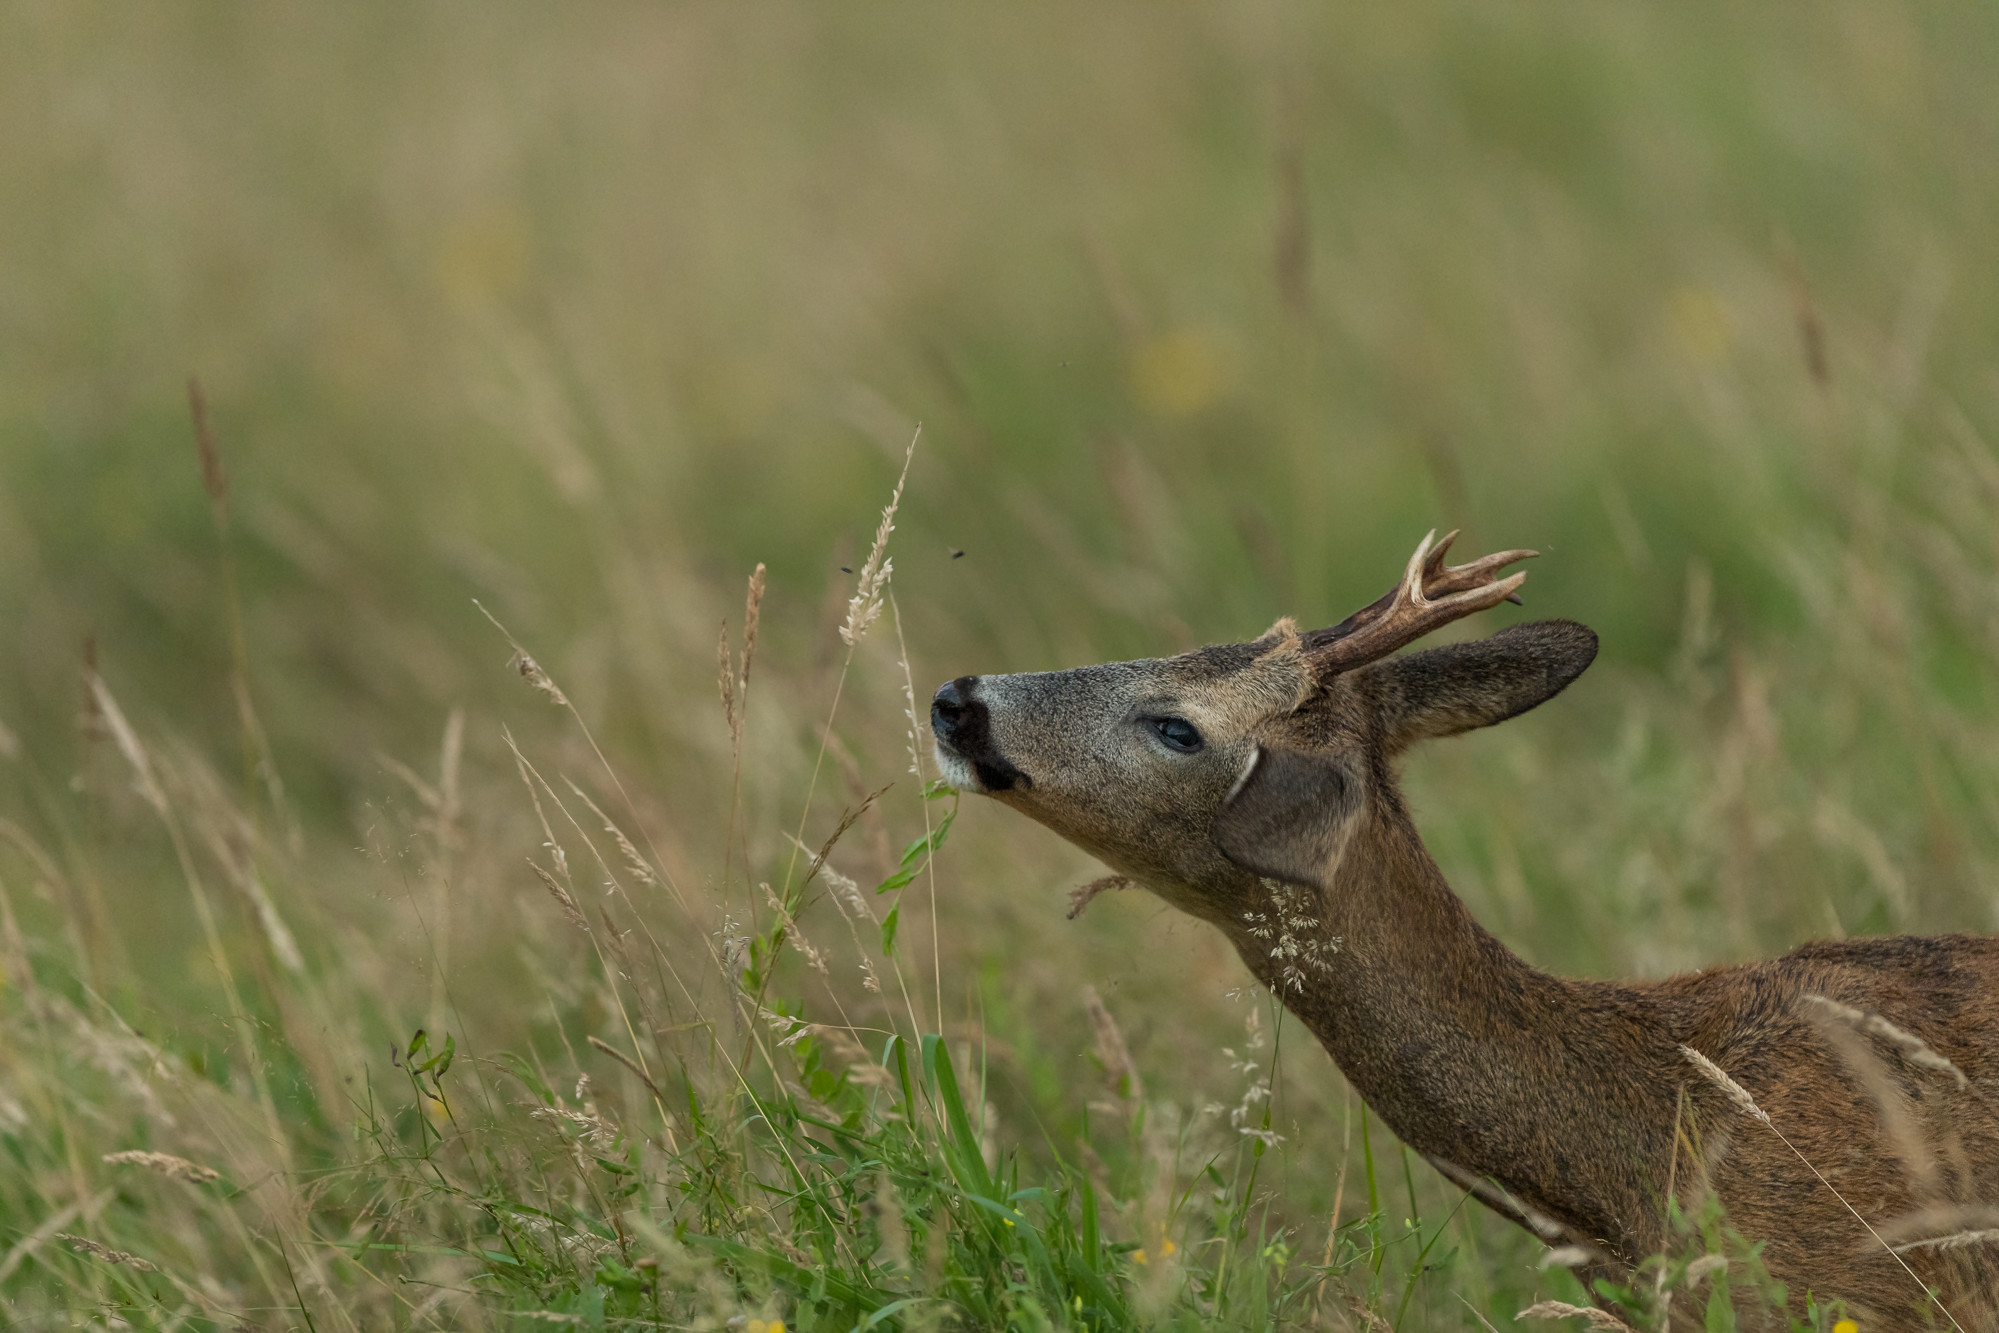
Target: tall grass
x,y
764,1140
742,1159
1207,314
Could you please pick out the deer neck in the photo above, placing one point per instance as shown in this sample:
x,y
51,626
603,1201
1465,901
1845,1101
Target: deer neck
x,y
1468,1053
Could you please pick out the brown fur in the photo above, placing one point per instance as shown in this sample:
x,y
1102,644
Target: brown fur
x,y
1572,1097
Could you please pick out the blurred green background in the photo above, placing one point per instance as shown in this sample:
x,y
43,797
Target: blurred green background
x,y
1207,314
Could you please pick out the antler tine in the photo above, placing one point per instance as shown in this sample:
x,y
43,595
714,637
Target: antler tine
x,y
1429,596
1435,564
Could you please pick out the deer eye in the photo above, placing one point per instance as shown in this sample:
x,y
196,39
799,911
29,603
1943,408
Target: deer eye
x,y
1177,732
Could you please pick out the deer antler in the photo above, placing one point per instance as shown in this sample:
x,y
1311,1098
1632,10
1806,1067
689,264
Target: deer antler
x,y
1430,596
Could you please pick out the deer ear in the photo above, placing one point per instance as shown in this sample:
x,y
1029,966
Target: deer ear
x,y
1443,691
1288,816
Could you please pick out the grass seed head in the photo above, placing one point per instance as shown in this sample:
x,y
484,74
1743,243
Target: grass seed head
x,y
1907,1045
865,606
1716,1075
85,1245
532,673
166,1164
1563,1310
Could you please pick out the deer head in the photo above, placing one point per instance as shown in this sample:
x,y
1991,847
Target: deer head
x,y
1198,775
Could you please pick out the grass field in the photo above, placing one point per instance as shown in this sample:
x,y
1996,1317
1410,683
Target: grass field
x,y
526,335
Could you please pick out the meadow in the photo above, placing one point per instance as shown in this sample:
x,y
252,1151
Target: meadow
x,y
405,924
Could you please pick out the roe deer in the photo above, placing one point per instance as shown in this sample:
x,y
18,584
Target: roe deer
x,y
1253,786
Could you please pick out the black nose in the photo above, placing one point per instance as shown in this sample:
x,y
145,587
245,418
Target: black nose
x,y
950,705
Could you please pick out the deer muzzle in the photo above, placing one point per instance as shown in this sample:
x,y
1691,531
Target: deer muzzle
x,y
962,724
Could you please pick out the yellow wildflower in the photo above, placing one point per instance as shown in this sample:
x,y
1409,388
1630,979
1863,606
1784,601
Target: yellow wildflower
x,y
1178,374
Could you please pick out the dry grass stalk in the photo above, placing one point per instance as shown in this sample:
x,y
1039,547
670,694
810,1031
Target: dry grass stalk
x,y
1747,1105
1841,1028
166,1164
258,760
84,1245
561,896
232,840
752,618
1496,1198
735,685
1563,1310
148,785
1811,327
425,794
725,681
1483,1322
1719,1077
1955,1241
848,818
918,729
34,1240
532,673
214,477
614,940
1907,1045
847,896
1082,895
861,1066
590,1126
865,606
144,780
600,1044
1699,1269
529,778
1838,826
611,773
853,905
1121,1069
450,757
537,785
1369,1320
638,865
1943,1227
815,959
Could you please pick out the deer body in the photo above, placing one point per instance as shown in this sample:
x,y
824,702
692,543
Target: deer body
x,y
1567,1093
1253,785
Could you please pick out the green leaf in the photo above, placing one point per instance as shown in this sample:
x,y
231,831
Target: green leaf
x,y
1092,1251
1083,1274
938,789
930,841
895,1056
888,1310
897,880
800,1280
889,924
962,1151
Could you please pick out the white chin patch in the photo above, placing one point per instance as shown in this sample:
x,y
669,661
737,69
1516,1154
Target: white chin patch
x,y
956,771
